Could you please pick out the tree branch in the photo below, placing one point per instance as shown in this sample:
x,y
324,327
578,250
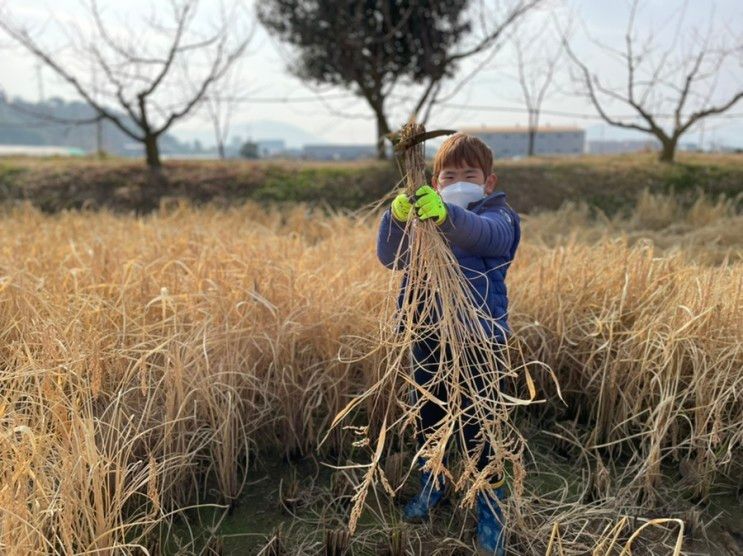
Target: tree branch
x,y
22,37
588,82
488,40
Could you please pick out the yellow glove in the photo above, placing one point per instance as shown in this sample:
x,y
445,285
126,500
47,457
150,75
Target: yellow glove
x,y
401,208
430,204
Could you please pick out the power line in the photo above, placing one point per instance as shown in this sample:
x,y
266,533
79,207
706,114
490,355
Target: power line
x,y
472,107
290,100
481,108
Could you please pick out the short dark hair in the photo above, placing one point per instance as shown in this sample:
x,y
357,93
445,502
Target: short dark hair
x,y
461,149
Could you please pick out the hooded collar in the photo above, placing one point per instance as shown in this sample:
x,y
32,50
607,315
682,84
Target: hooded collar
x,y
495,198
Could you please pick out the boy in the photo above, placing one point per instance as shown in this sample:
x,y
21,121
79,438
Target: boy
x,y
483,233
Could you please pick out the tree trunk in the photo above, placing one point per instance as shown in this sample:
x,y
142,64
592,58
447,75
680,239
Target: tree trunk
x,y
157,182
533,130
382,130
668,150
153,153
530,148
99,138
220,149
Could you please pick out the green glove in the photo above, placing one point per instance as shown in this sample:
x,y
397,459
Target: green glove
x,y
430,204
401,208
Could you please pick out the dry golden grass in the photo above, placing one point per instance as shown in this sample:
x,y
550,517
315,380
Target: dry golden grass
x,y
144,358
708,232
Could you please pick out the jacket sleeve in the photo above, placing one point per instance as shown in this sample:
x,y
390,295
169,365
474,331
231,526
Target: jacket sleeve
x,y
391,242
489,234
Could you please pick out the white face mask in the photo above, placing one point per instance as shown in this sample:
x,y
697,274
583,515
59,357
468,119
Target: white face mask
x,y
462,193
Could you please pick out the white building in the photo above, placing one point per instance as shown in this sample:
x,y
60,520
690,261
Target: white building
x,y
509,142
619,146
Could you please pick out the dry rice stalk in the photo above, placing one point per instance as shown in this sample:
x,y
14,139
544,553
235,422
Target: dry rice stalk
x,y
654,522
554,540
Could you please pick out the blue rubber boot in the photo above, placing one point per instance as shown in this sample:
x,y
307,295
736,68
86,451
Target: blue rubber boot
x,y
490,538
430,495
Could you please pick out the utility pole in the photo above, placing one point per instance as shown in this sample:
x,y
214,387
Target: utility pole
x,y
40,82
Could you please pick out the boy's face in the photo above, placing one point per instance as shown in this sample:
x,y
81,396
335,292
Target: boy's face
x,y
451,174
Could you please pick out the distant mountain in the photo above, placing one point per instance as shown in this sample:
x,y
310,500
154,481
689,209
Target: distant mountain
x,y
293,136
31,123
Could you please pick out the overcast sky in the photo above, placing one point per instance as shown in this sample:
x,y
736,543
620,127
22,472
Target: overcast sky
x,y
492,97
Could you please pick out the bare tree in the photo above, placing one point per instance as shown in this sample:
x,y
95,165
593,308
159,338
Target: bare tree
x,y
676,83
373,47
220,110
220,103
220,107
538,53
137,69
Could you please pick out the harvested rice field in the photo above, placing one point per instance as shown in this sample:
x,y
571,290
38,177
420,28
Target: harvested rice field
x,y
169,382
